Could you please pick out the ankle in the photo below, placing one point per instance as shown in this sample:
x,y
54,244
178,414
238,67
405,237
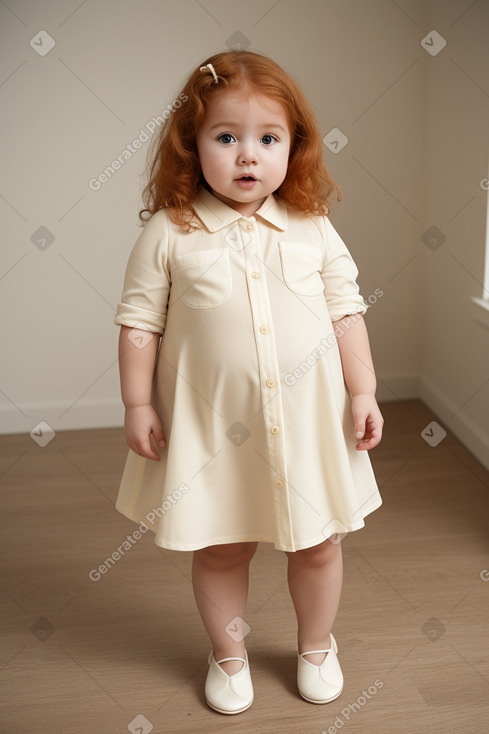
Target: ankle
x,y
233,650
304,646
316,658
232,667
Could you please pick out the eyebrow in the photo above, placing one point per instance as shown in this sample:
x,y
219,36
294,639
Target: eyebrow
x,y
229,124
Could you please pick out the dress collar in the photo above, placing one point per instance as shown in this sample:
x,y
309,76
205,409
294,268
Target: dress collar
x,y
215,215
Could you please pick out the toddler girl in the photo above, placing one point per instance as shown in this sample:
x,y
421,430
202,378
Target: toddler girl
x,y
245,366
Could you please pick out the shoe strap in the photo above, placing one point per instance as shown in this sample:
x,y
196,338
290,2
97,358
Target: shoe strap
x,y
333,648
312,652
225,660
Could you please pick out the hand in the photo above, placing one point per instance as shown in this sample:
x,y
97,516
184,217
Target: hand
x,y
368,421
144,431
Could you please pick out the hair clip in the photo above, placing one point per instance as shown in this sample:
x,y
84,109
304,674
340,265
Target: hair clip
x,y
211,69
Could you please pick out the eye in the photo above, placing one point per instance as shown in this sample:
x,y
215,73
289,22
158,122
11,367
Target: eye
x,y
268,139
227,138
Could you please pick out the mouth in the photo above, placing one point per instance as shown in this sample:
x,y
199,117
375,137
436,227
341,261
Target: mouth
x,y
246,177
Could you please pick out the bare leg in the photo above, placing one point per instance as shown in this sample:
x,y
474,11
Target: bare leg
x,y
315,576
220,579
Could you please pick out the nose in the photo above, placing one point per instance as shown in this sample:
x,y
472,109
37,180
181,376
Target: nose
x,y
247,154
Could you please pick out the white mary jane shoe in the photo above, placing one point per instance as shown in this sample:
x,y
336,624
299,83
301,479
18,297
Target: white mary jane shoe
x,y
228,694
320,683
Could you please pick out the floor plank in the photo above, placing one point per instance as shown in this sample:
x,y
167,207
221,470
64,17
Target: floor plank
x,y
80,655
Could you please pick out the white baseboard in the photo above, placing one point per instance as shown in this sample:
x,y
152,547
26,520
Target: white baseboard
x,y
412,386
84,414
471,435
397,386
110,414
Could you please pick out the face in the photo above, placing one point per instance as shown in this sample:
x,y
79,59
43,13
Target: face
x,y
243,145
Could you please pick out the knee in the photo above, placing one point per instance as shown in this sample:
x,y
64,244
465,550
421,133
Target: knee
x,y
227,555
317,556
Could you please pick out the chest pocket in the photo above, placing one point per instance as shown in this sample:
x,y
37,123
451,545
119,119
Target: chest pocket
x,y
301,266
203,278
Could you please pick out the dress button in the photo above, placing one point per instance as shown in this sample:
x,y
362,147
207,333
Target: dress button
x,y
274,429
279,483
248,226
270,383
264,329
255,275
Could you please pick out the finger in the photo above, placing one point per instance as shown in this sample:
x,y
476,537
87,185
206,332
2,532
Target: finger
x,y
359,427
370,441
146,451
155,444
159,436
364,445
375,432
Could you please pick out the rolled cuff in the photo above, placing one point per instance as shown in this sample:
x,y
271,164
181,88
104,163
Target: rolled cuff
x,y
140,318
342,307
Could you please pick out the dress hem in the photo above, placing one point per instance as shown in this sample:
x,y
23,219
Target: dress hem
x,y
167,545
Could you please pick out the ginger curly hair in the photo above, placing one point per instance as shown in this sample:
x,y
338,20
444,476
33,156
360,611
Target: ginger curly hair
x,y
174,173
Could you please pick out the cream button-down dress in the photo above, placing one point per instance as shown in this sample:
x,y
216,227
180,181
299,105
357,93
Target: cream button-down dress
x,y
248,380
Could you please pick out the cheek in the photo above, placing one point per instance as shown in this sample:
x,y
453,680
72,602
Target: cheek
x,y
216,163
283,164
206,160
208,165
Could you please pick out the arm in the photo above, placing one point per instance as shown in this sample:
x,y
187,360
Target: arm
x,y
358,371
142,425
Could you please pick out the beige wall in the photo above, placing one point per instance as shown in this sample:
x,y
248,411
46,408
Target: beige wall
x,y
454,378
417,128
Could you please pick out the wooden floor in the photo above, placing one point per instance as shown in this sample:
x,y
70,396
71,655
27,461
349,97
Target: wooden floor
x,y
128,652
